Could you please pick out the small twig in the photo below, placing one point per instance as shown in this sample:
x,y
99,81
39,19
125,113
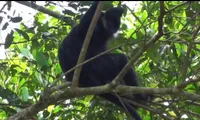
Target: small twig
x,y
186,61
185,83
196,32
170,10
147,108
192,103
191,113
14,105
160,18
120,99
59,87
136,17
119,77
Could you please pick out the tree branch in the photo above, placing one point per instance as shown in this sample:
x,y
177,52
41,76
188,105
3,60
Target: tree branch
x,y
172,9
149,43
186,83
86,44
69,93
43,10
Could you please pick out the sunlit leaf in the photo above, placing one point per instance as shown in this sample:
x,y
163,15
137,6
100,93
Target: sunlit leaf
x,y
50,108
26,53
25,93
24,34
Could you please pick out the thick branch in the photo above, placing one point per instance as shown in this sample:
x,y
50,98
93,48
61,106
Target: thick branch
x,y
43,10
78,92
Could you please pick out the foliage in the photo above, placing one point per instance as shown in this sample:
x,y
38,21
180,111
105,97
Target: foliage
x,y
32,62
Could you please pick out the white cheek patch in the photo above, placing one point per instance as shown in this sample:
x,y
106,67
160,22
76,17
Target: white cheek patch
x,y
106,27
116,34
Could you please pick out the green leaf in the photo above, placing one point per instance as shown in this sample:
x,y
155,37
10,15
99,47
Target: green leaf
x,y
26,53
40,58
24,93
9,110
9,40
24,34
58,69
44,27
5,26
169,19
144,15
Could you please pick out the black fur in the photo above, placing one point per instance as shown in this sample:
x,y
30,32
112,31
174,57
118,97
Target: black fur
x,y
105,68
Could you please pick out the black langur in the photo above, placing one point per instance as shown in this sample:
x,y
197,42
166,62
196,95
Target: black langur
x,y
105,68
